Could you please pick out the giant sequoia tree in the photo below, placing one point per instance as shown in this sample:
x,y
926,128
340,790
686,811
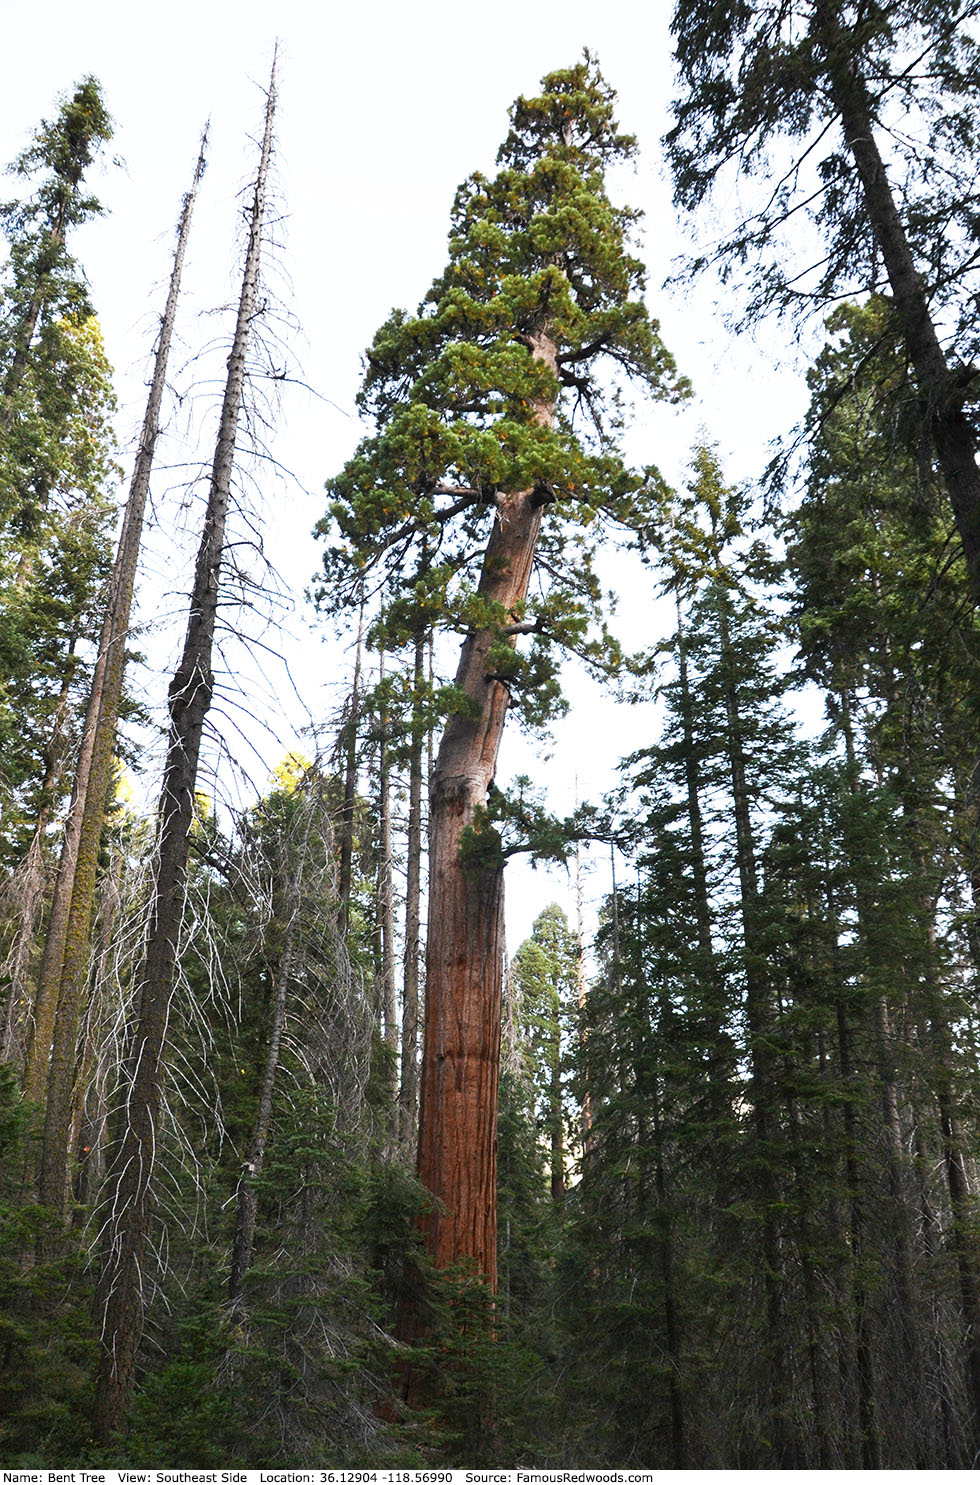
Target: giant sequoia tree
x,y
884,164
496,415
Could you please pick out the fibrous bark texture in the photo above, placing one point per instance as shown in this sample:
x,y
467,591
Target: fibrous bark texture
x,y
464,948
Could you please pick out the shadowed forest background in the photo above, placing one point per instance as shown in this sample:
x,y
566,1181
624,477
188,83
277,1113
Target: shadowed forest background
x,y
298,1164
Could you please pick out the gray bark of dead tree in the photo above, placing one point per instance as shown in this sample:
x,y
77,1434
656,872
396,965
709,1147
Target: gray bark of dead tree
x,y
130,1189
64,964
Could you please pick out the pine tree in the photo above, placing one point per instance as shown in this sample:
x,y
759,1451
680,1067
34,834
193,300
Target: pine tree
x,y
408,1087
627,1281
683,1045
294,813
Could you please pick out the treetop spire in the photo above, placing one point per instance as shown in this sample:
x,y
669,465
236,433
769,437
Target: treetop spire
x,y
573,114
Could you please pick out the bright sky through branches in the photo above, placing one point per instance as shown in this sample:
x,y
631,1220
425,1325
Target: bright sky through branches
x,y
384,109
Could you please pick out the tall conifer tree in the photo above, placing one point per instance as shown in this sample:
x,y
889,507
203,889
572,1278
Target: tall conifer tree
x,y
885,166
481,455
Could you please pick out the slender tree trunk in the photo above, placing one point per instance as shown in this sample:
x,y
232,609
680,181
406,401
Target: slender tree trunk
x,y
64,962
811,1299
952,435
582,996
556,1118
247,1203
891,1124
668,1265
863,1351
719,1068
27,328
24,339
88,1109
386,889
963,1240
924,1164
889,1094
28,883
345,876
758,1015
23,897
464,949
864,1367
408,1092
692,782
130,1177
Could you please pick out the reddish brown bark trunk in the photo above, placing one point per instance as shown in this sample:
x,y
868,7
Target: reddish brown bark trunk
x,y
464,951
457,1126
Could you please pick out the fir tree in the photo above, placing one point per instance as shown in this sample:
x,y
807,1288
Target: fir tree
x,y
545,972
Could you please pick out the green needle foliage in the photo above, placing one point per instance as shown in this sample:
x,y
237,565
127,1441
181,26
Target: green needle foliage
x,y
545,969
45,379
56,552
457,395
56,440
878,104
44,283
760,93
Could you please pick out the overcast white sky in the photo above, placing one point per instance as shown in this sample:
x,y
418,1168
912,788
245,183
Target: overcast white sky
x,y
384,109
